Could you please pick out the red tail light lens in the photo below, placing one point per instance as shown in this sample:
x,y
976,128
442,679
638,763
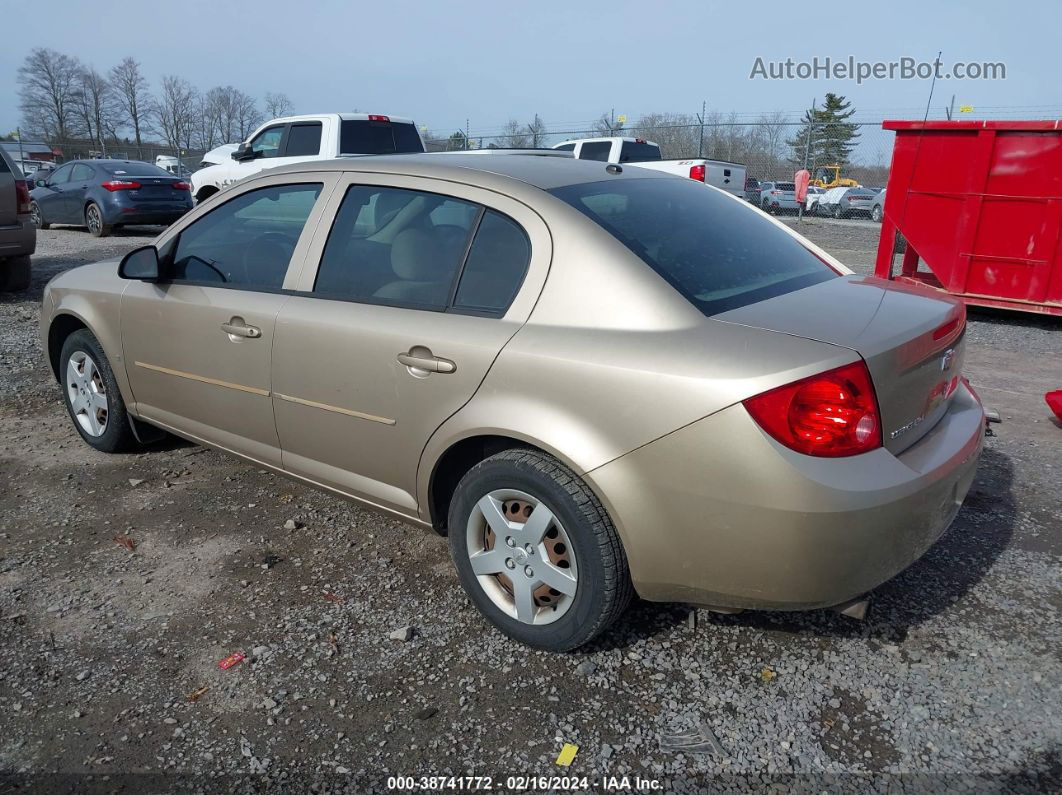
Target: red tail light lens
x,y
828,415
375,117
697,173
22,197
181,186
121,184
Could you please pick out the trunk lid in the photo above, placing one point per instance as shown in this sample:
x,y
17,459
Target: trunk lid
x,y
912,341
157,189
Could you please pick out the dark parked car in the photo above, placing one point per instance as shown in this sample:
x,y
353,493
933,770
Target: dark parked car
x,y
39,175
752,190
105,194
18,238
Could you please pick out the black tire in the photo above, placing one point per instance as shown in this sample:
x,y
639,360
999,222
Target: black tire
x,y
876,213
38,217
94,221
837,211
117,436
15,274
604,585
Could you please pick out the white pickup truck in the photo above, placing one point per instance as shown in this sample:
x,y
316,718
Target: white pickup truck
x,y
296,139
646,154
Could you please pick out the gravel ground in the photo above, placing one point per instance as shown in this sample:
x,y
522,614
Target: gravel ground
x,y
109,674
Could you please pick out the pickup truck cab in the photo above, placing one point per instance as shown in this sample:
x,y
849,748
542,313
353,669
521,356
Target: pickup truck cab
x,y
721,174
297,139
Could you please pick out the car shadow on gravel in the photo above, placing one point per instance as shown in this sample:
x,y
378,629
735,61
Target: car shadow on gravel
x,y
951,568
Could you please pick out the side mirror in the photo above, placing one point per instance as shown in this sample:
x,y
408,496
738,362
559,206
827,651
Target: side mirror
x,y
142,264
244,152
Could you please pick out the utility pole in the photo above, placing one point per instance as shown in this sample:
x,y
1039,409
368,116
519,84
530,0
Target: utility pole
x,y
466,134
807,153
951,108
21,155
700,118
612,122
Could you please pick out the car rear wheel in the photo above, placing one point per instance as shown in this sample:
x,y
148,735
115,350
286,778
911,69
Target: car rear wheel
x,y
91,395
837,211
94,221
15,274
875,213
37,216
536,552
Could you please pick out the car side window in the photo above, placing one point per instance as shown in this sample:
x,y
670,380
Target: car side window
x,y
81,173
61,176
596,150
267,142
395,246
303,139
565,147
246,242
496,265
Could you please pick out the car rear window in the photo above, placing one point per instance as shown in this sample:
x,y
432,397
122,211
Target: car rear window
x,y
785,186
134,169
363,137
638,152
718,253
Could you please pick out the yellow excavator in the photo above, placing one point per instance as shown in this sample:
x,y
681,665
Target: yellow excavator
x,y
827,177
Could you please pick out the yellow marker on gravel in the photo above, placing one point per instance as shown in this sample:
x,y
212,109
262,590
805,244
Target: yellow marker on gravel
x,y
567,754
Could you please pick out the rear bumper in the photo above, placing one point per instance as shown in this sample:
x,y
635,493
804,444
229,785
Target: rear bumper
x,y
759,526
18,239
138,215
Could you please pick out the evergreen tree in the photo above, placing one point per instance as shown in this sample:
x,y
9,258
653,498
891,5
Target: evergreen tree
x,y
833,137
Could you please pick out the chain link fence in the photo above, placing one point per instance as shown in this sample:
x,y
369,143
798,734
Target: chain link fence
x,y
771,149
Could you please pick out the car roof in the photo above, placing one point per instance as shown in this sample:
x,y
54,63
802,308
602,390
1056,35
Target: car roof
x,y
541,172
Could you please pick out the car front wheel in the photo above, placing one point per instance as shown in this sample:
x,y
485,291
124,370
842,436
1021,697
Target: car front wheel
x,y
536,552
838,212
875,213
91,395
94,221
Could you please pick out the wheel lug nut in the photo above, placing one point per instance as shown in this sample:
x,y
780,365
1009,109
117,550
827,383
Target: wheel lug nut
x,y
528,571
510,542
530,550
509,564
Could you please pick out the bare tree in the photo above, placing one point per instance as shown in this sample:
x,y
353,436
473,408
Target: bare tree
x,y
131,95
247,114
277,105
174,112
606,125
96,108
205,127
514,134
537,129
677,134
48,82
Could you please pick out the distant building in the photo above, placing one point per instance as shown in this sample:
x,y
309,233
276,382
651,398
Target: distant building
x,y
29,153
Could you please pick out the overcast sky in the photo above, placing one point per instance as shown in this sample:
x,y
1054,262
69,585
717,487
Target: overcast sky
x,y
442,62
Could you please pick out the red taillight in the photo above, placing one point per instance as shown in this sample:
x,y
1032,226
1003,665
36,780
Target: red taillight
x,y
373,117
22,197
774,193
697,173
830,415
181,186
121,184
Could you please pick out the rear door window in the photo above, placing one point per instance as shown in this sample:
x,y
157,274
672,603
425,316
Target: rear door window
x,y
81,173
595,150
366,137
396,246
246,242
719,254
304,139
638,152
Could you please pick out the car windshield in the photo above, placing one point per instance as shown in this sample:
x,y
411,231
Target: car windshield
x,y
378,138
135,169
719,253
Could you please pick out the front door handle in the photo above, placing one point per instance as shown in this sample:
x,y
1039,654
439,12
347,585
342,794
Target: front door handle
x,y
237,328
421,359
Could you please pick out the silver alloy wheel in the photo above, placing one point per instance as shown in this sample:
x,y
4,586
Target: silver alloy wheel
x,y
522,556
87,393
35,215
93,219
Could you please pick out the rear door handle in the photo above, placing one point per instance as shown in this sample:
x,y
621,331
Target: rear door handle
x,y
421,358
237,328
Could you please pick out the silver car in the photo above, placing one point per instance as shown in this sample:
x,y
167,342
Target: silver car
x,y
778,197
597,380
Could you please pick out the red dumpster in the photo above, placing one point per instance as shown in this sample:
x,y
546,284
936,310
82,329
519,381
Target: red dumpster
x,y
980,203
